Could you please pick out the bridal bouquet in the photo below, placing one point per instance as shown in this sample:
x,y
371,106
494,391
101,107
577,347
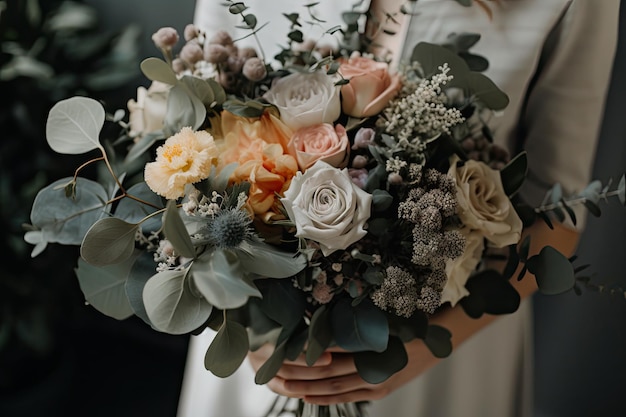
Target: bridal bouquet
x,y
324,200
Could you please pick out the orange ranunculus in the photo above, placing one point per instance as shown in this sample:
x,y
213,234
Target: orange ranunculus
x,y
269,172
371,86
240,132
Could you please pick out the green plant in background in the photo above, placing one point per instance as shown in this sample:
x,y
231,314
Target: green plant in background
x,y
49,50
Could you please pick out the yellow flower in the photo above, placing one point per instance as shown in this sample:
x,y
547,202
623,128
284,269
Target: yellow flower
x,y
184,158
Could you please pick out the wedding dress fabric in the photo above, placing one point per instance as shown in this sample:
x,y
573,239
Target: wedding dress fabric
x,y
553,58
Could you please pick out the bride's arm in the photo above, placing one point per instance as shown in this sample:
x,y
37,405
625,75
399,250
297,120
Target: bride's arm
x,y
334,378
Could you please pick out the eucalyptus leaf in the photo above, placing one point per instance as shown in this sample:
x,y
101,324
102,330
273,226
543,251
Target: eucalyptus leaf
x,y
219,277
282,302
431,56
361,327
381,200
109,241
103,287
66,220
143,268
320,334
621,190
184,109
514,174
375,367
487,91
227,350
218,91
200,88
267,261
270,368
134,211
171,305
142,145
74,125
158,70
489,293
176,232
552,270
439,341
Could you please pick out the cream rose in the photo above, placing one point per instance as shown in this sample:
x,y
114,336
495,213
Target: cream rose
x,y
184,158
147,114
305,99
371,86
321,142
483,205
459,269
327,207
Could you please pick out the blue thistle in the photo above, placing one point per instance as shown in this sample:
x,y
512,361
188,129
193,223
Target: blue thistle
x,y
230,228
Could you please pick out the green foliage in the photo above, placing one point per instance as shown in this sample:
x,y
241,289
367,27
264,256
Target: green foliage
x,y
104,287
377,367
227,350
171,305
489,293
74,125
360,327
438,340
552,270
320,334
514,174
221,279
109,241
175,231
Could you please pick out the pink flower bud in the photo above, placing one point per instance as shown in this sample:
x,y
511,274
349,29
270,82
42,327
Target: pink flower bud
x,y
165,38
221,38
215,53
395,179
191,32
178,65
254,69
359,162
191,52
363,138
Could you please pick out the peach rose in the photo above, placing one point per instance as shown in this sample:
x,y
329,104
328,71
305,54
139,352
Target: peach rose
x,y
184,158
483,205
322,141
371,86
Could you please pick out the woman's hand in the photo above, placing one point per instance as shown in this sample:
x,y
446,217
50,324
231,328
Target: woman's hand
x,y
334,379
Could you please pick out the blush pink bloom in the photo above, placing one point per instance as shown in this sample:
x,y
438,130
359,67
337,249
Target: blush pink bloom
x,y
321,142
371,86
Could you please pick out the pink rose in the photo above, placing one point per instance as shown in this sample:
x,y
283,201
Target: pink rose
x,y
321,141
371,86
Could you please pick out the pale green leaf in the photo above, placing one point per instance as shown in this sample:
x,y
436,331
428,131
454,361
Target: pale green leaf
x,y
144,267
103,287
74,125
227,350
171,305
487,91
219,277
109,241
66,220
184,109
158,70
267,261
134,211
176,232
359,328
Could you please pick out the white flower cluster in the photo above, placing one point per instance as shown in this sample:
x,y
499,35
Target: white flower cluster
x,y
201,205
164,256
415,118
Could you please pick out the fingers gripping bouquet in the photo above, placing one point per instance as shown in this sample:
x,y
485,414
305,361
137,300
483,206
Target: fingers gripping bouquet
x,y
324,200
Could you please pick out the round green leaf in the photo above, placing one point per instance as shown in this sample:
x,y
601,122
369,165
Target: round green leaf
x,y
359,328
219,277
144,267
375,367
553,271
487,91
109,241
267,261
65,220
103,287
171,305
320,334
158,70
74,125
228,349
176,232
133,211
439,340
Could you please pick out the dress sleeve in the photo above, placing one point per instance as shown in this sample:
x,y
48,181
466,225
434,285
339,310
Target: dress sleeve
x,y
565,104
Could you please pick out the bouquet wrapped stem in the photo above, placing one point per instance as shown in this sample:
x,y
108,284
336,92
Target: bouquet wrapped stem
x,y
294,407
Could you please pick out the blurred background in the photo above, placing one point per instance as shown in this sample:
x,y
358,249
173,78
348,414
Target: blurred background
x,y
59,357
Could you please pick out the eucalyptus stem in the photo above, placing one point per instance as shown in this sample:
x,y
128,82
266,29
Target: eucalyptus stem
x,y
83,165
574,201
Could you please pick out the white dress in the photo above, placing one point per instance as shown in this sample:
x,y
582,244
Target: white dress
x,y
553,58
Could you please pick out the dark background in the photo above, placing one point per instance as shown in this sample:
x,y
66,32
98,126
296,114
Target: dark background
x,y
87,364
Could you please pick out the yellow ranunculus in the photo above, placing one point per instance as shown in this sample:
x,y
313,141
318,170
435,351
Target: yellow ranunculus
x,y
184,158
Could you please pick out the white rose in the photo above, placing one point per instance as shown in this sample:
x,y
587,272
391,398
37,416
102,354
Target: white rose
x,y
327,207
305,99
147,114
459,269
483,205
